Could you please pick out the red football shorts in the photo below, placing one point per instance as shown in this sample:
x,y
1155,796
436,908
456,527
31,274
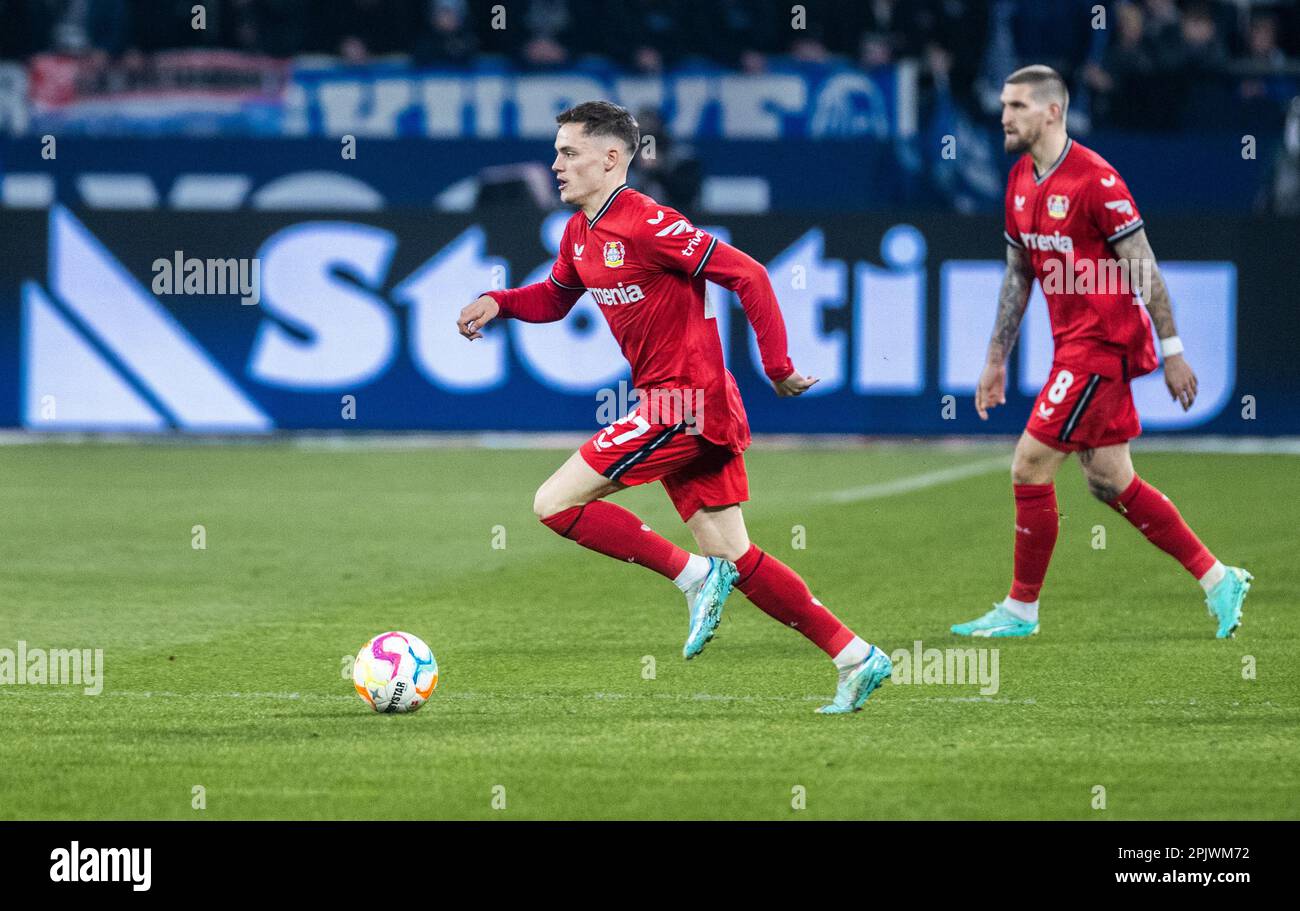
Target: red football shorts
x,y
1080,410
694,471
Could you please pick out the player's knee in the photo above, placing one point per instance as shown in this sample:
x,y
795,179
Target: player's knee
x,y
546,503
1103,487
1028,470
728,547
727,550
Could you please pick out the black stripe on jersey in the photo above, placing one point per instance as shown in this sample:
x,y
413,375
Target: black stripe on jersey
x,y
563,285
1011,240
1079,407
591,222
614,471
705,258
1124,232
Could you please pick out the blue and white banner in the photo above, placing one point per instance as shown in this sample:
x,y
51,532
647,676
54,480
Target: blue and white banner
x,y
256,322
203,92
817,101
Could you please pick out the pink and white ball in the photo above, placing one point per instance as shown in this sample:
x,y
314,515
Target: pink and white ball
x,y
395,672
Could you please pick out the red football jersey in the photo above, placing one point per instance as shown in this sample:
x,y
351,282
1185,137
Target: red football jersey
x,y
645,265
1067,220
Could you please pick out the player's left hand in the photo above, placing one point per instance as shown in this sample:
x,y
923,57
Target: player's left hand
x,y
1181,380
794,384
475,316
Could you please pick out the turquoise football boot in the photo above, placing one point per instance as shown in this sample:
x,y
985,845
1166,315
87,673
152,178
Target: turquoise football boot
x,y
1225,599
706,609
997,623
857,683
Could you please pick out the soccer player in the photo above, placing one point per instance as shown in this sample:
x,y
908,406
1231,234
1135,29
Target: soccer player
x,y
1072,223
645,265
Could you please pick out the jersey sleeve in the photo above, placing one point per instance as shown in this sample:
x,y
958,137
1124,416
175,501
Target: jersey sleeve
x,y
564,274
737,271
1111,207
669,240
548,300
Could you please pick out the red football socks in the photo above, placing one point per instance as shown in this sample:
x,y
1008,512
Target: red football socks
x,y
1152,513
1037,524
778,591
613,531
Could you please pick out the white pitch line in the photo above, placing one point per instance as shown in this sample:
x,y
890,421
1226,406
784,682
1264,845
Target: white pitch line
x,y
474,697
1219,445
918,481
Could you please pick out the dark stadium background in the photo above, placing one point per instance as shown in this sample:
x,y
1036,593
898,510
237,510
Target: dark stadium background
x,y
779,126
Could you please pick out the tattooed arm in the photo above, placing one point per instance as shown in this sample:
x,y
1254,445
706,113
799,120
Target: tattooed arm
x,y
1012,300
1136,250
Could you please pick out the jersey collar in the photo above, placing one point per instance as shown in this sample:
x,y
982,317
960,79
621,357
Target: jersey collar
x,y
591,222
1065,151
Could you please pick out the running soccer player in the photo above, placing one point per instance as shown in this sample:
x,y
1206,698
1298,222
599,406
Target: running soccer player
x,y
645,265
1067,212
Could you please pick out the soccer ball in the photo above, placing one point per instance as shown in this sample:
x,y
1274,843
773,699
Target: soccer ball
x,y
395,672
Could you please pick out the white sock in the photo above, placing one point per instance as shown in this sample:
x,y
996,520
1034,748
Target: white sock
x,y
852,654
697,568
1025,610
1213,577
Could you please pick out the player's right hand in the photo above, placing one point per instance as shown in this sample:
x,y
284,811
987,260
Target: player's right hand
x,y
794,384
477,315
991,390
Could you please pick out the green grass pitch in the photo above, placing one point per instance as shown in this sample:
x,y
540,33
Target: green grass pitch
x,y
223,665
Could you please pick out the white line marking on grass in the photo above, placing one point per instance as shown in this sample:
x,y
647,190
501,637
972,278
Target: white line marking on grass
x,y
489,697
167,694
918,481
1219,445
333,441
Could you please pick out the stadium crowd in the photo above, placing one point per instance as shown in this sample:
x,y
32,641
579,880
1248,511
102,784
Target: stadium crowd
x,y
1157,64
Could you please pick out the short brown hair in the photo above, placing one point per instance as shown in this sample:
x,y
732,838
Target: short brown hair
x,y
604,118
1045,82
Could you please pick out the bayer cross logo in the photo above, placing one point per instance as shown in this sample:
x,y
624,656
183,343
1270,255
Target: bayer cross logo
x,y
613,253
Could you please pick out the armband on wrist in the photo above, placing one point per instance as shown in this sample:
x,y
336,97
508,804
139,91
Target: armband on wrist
x,y
1171,346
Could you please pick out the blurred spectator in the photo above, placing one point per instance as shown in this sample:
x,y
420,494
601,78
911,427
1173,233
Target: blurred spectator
x,y
1121,82
1057,34
77,26
741,34
161,25
647,35
359,30
939,32
664,169
1158,64
446,36
1266,90
1197,68
1284,194
273,27
551,26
